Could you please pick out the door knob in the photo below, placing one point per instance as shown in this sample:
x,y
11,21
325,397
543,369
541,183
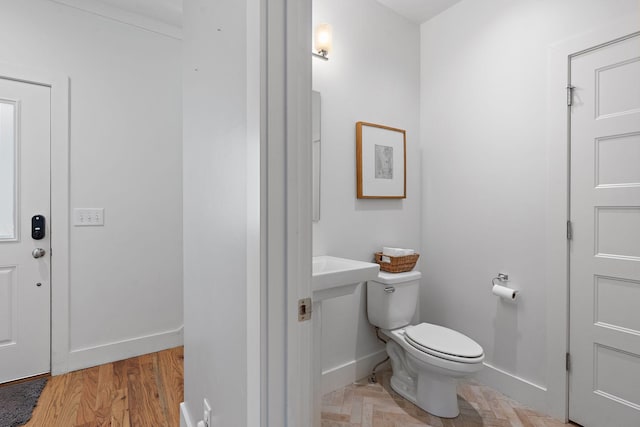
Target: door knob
x,y
38,252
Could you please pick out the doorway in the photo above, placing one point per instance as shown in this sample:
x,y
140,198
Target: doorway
x,y
604,252
25,234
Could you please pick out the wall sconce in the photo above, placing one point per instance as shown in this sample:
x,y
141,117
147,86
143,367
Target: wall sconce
x,y
322,42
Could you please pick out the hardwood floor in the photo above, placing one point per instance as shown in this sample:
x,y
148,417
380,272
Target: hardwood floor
x,y
138,392
147,391
377,405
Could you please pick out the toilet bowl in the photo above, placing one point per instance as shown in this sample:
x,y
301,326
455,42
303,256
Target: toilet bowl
x,y
426,376
426,359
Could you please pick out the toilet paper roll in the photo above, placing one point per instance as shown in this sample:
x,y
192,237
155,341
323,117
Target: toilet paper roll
x,y
504,292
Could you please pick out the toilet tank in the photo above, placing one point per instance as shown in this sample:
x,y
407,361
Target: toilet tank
x,y
392,299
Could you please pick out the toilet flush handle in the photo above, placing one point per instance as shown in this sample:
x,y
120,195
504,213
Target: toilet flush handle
x,y
389,289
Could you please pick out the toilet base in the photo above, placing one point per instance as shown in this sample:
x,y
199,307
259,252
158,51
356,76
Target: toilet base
x,y
437,394
430,387
401,388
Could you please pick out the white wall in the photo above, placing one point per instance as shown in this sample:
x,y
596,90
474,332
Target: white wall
x,y
373,76
125,144
484,71
221,182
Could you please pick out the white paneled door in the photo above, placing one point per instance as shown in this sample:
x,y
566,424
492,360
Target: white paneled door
x,y
605,250
25,266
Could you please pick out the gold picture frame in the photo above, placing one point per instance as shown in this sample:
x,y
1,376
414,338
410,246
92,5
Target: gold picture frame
x,y
381,161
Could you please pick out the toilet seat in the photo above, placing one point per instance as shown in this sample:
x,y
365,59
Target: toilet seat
x,y
444,343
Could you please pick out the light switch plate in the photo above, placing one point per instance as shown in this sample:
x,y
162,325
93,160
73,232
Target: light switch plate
x,y
88,217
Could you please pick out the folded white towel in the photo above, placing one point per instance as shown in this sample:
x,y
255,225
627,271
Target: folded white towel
x,y
388,251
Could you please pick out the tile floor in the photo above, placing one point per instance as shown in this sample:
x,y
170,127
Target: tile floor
x,y
377,405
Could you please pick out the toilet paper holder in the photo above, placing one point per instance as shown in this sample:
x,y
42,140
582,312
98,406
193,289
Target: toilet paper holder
x,y
501,277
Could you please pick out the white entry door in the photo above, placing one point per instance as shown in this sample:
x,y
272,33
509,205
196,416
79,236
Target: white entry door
x,y
25,292
605,250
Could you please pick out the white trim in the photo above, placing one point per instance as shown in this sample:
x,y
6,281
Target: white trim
x,y
519,388
60,230
253,213
273,223
350,372
59,221
557,208
299,211
122,16
185,416
124,349
286,220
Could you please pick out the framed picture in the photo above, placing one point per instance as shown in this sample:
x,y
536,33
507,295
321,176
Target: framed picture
x,y
381,161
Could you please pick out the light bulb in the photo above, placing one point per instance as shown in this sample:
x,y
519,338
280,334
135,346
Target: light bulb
x,y
323,39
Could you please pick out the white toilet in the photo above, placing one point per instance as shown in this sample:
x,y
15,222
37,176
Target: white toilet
x,y
426,359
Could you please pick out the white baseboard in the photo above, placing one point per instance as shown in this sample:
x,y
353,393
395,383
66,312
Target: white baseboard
x,y
517,388
185,416
350,372
524,391
106,353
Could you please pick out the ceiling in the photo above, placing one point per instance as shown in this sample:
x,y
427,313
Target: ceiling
x,y
418,11
170,11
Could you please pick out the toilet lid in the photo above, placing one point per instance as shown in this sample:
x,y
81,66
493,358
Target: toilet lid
x,y
445,341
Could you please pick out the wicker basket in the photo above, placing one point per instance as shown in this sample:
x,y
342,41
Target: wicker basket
x,y
398,264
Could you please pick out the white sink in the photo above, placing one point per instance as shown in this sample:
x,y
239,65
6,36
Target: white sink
x,y
333,277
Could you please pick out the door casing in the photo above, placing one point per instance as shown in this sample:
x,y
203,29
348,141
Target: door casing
x,y
286,380
557,207
59,221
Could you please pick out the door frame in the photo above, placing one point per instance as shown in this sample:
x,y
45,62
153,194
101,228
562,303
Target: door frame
x,y
557,209
59,221
285,106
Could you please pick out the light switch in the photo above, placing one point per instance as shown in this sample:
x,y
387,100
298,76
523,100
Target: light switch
x,y
88,216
